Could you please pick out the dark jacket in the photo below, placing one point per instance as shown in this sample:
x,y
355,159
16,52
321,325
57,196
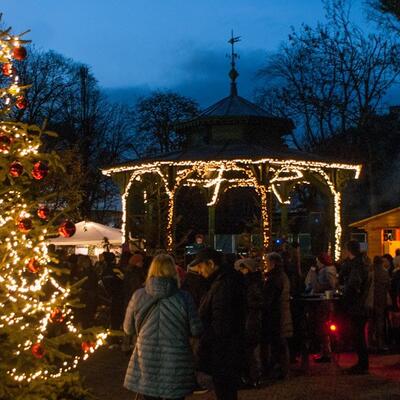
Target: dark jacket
x,y
356,286
196,285
395,289
165,318
134,279
254,307
222,311
277,321
381,288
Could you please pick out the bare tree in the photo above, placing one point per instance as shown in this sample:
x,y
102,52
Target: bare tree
x,y
386,13
49,75
92,133
155,116
330,78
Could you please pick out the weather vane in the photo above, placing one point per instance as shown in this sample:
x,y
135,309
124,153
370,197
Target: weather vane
x,y
233,74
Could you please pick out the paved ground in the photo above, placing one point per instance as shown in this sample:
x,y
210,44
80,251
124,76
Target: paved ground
x,y
104,373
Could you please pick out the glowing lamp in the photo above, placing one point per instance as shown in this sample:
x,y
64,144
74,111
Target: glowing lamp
x,y
333,328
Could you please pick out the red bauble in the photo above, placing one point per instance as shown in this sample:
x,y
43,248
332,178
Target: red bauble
x,y
34,265
5,142
25,225
67,229
57,316
40,170
16,169
43,212
19,53
87,345
38,350
8,69
21,103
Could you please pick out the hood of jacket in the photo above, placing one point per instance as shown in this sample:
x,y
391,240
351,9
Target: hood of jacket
x,y
161,287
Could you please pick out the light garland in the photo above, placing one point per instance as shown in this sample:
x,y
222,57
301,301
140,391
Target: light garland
x,y
29,292
287,170
272,161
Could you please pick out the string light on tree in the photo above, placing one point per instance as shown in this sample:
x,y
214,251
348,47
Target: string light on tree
x,y
32,298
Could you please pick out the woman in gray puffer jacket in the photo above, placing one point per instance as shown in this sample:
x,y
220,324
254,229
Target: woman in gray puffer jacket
x,y
164,318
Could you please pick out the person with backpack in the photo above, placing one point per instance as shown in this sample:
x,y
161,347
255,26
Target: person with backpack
x,y
355,301
164,319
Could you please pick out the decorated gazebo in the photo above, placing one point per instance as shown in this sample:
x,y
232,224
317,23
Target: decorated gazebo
x,y
234,143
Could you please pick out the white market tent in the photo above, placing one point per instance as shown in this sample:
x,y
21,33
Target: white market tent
x,y
90,234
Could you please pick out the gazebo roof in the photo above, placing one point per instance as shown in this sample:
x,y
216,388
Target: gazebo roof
x,y
233,110
232,129
234,105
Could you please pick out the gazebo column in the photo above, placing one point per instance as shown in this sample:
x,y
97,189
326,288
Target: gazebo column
x,y
265,216
171,189
170,234
211,225
284,219
337,225
262,176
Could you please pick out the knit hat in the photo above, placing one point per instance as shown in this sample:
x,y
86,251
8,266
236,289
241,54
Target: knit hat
x,y
325,259
136,259
205,255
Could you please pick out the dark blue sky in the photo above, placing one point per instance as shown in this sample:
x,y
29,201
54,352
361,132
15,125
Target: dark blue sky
x,y
139,45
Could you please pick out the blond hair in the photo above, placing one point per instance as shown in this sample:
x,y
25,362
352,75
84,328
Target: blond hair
x,y
163,265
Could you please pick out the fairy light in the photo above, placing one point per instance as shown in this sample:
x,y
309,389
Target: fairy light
x,y
278,195
282,171
286,174
28,297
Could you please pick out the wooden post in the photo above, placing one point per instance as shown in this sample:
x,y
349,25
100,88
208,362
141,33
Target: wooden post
x,y
170,233
211,226
284,220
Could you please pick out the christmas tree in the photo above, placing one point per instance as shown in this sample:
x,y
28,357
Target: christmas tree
x,y
40,346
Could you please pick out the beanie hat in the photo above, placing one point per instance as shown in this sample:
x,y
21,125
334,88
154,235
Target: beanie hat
x,y
325,259
248,263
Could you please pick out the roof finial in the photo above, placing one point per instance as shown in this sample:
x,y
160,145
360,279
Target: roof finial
x,y
233,74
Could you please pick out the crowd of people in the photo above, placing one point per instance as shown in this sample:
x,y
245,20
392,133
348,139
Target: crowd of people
x,y
226,323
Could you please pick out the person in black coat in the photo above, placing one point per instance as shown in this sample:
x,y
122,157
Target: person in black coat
x,y
134,277
112,280
196,285
222,311
356,287
253,282
277,320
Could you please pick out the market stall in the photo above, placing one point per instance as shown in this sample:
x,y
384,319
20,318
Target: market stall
x,y
91,238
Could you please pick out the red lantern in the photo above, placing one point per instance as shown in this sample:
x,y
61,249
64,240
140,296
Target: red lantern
x,y
40,170
38,350
67,229
21,102
16,169
8,69
25,225
5,142
87,345
57,316
19,53
43,212
34,265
